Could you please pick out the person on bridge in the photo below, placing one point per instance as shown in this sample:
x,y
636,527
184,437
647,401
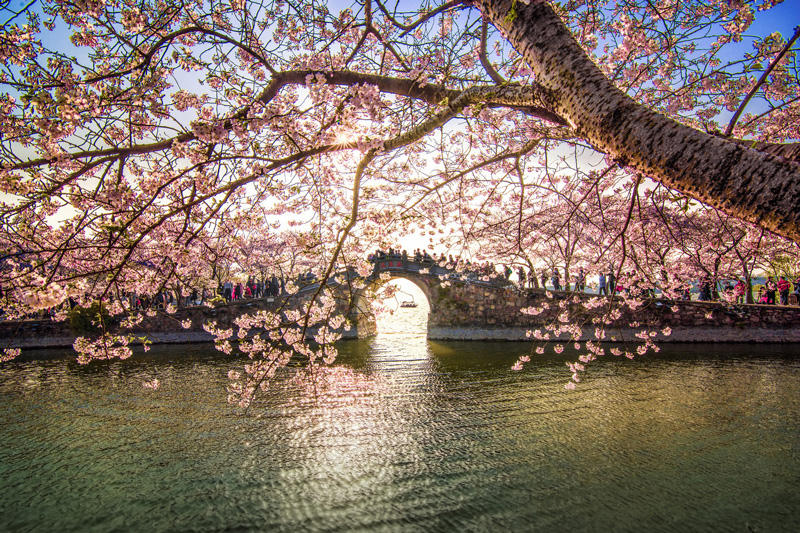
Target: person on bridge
x,y
611,280
705,290
783,290
556,280
521,277
580,283
771,287
797,289
739,290
275,286
762,296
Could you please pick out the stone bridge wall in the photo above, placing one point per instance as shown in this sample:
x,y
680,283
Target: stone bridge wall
x,y
466,311
161,328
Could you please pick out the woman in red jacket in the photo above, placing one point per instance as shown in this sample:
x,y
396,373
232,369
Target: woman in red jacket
x,y
783,290
739,291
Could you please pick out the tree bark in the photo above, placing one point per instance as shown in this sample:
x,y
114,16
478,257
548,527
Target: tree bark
x,y
741,181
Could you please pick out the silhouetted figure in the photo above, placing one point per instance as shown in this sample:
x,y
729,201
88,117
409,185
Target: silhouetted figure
x,y
555,280
611,280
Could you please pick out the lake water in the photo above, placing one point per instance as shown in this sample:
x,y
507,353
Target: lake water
x,y
406,434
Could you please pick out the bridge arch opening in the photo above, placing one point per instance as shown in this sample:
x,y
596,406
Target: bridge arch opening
x,y
399,339
400,305
382,301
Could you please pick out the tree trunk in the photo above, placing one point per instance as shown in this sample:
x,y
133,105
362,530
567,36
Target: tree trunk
x,y
743,182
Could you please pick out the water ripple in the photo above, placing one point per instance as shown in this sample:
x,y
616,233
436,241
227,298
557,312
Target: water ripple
x,y
410,435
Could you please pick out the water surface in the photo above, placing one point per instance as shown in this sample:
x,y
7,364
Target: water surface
x,y
406,434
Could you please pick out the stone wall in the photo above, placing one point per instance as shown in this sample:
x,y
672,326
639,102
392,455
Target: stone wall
x,y
161,328
466,311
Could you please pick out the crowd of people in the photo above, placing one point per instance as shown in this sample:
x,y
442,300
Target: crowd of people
x,y
270,287
423,258
230,291
488,271
771,292
767,292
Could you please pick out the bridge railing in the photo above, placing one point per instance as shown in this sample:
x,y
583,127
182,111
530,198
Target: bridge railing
x,y
430,267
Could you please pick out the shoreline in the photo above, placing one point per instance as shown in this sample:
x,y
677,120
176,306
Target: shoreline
x,y
685,335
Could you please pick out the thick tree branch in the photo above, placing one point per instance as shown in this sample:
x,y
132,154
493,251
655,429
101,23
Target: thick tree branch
x,y
789,151
743,182
531,100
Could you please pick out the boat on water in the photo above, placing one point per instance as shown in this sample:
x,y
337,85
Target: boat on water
x,y
408,303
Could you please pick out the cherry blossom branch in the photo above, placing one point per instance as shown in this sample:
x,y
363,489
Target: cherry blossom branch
x,y
621,233
760,82
508,154
722,174
345,231
528,98
423,18
23,9
148,56
490,70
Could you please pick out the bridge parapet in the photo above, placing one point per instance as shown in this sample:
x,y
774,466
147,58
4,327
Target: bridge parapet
x,y
396,263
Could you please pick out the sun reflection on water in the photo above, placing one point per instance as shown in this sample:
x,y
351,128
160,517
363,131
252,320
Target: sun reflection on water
x,y
349,430
395,439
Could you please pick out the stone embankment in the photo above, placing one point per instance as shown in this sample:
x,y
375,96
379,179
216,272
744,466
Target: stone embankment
x,y
162,328
468,311
471,312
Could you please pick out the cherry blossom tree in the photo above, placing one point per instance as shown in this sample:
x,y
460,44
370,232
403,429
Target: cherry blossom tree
x,y
145,142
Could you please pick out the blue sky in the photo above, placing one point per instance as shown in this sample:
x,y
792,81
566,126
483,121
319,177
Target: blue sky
x,y
782,18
